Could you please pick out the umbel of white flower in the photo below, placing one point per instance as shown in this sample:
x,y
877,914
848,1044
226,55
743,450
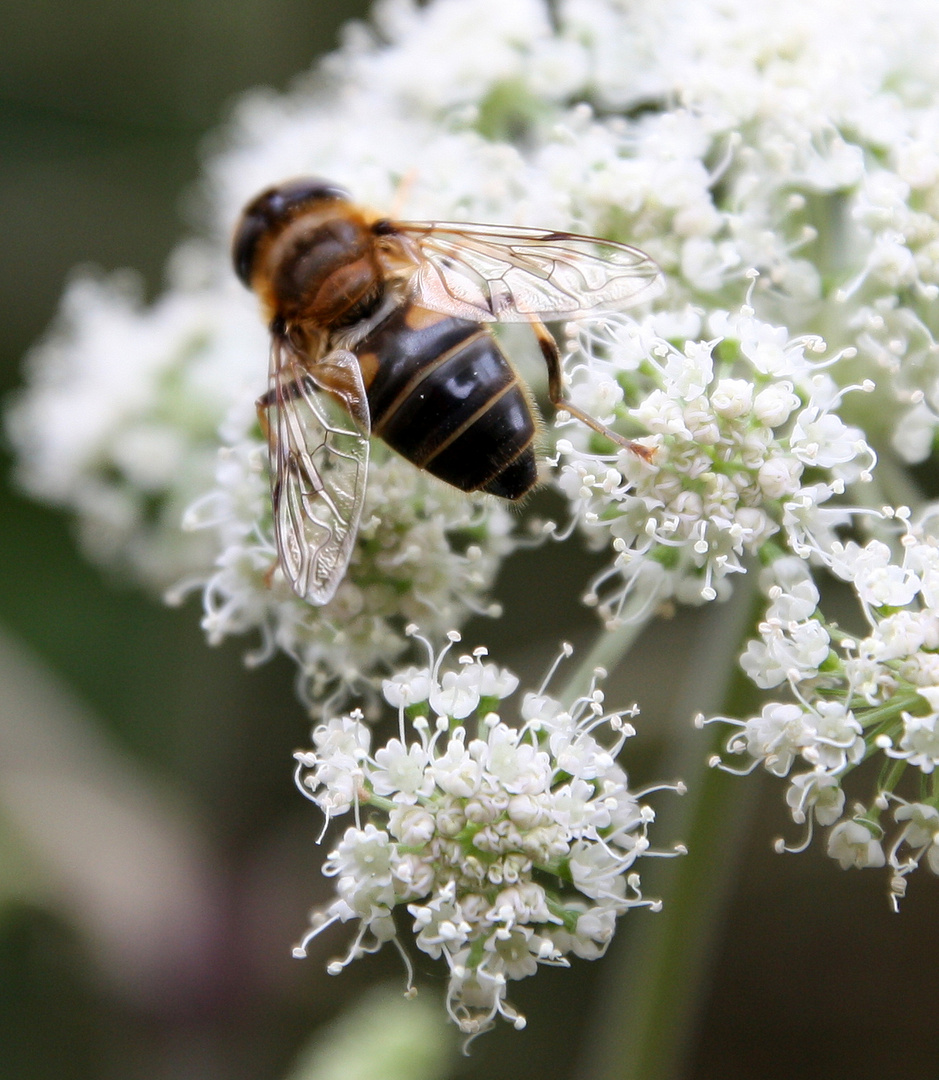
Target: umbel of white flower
x,y
508,846
745,447
798,140
855,696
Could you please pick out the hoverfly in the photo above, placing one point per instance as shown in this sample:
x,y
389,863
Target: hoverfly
x,y
378,327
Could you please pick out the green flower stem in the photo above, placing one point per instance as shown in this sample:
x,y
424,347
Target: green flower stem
x,y
607,652
891,710
895,485
653,1004
891,775
658,968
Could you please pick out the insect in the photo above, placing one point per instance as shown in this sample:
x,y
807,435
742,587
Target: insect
x,y
379,327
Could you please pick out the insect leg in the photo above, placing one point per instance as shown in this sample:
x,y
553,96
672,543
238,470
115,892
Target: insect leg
x,y
277,396
552,358
263,403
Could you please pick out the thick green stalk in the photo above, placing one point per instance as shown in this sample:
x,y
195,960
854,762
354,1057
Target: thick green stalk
x,y
607,652
657,969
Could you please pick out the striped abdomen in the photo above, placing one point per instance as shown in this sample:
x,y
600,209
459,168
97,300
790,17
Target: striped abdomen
x,y
444,396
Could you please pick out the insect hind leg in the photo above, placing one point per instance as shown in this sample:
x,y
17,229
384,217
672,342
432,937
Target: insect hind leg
x,y
552,358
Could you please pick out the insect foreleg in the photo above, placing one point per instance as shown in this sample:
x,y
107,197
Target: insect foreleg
x,y
552,358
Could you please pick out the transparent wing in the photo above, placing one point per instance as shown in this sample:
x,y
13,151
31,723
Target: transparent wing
x,y
498,273
318,427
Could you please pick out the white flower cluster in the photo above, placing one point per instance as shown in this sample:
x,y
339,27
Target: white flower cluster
x,y
120,421
855,696
425,551
798,140
745,443
508,846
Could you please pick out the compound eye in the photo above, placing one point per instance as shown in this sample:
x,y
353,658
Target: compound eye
x,y
270,211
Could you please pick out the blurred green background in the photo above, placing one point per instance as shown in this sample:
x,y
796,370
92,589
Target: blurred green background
x,y
156,863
